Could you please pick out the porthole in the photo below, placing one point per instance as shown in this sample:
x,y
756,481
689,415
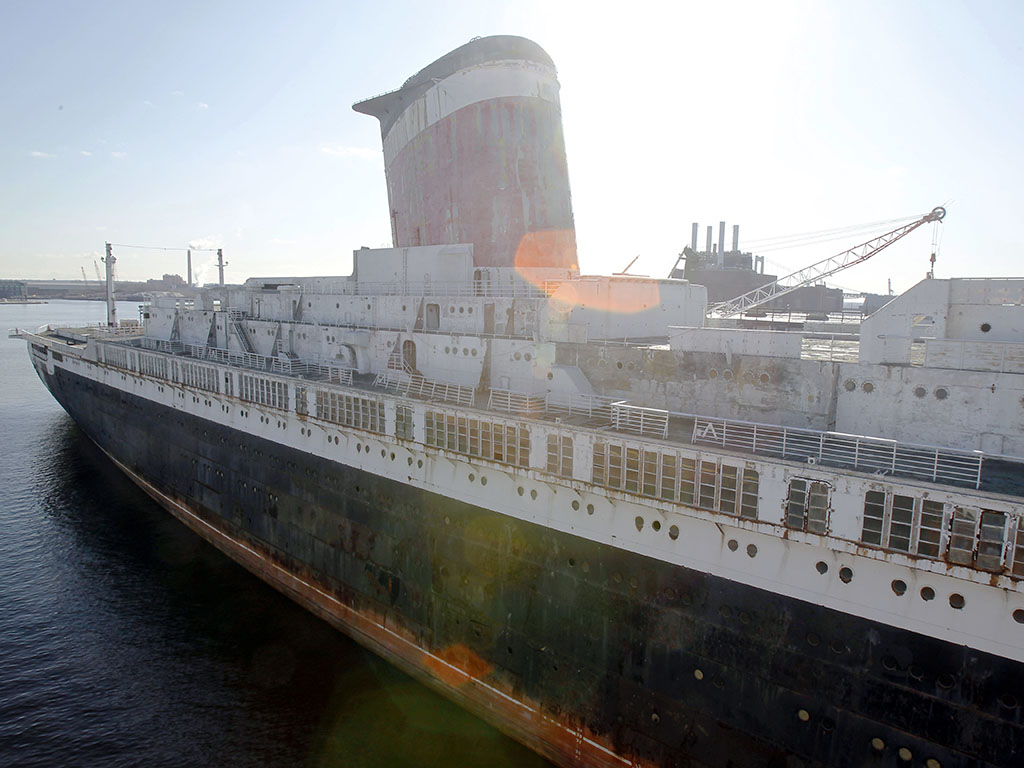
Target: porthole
x,y
550,376
533,494
517,356
946,681
447,350
941,393
590,509
822,567
656,525
920,391
407,461
733,545
472,477
713,373
727,374
462,310
451,310
483,481
526,356
575,506
698,674
419,465
673,533
846,574
868,387
751,550
899,586
1018,616
765,378
473,352
956,601
985,327
383,453
630,366
931,762
905,754
465,351
803,715
639,522
849,385
877,744
927,593
619,365
572,562
520,490
813,640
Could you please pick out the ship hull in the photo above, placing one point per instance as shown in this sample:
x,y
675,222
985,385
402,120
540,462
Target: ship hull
x,y
589,654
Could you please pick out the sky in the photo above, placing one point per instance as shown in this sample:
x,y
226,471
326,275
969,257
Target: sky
x,y
220,124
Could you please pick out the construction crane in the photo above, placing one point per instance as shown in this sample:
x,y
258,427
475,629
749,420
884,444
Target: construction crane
x,y
84,278
96,266
821,269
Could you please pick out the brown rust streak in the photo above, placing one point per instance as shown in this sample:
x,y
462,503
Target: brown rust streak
x,y
456,674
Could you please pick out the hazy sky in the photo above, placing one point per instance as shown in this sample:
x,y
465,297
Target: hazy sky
x,y
230,124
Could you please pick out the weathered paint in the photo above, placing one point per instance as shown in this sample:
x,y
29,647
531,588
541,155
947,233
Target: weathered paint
x,y
474,153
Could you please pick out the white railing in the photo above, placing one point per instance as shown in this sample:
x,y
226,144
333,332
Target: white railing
x,y
869,454
515,402
418,386
580,404
639,420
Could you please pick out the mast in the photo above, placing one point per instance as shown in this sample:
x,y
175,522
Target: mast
x,y
109,261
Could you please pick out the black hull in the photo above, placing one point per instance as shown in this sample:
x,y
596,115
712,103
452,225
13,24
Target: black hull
x,y
665,665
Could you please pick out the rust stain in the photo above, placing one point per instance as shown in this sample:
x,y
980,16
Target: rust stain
x,y
468,665
457,672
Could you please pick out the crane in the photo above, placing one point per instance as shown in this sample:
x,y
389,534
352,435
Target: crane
x,y
822,269
84,278
96,266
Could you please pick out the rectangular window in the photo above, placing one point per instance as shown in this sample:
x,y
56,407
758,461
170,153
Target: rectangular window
x,y
614,466
1018,551
901,523
797,506
874,518
560,455
403,422
727,494
668,476
817,508
929,541
687,480
649,486
990,540
633,469
748,502
708,480
598,471
807,508
962,535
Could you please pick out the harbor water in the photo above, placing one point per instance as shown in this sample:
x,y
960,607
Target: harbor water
x,y
125,640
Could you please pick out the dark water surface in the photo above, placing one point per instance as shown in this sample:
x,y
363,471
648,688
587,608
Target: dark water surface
x,y
125,640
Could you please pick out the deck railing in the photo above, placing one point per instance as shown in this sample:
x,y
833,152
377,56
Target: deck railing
x,y
869,454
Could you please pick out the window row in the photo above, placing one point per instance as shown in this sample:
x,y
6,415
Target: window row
x,y
667,475
200,376
351,410
153,365
263,391
507,443
933,529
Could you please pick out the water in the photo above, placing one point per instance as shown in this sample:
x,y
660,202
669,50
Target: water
x,y
125,640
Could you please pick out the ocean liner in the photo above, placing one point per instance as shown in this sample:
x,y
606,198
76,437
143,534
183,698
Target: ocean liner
x,y
619,533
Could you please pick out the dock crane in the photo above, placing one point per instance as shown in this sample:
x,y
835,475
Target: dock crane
x,y
821,269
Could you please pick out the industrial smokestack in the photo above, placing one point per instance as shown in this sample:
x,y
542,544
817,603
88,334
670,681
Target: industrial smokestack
x,y
736,237
721,241
693,236
708,249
